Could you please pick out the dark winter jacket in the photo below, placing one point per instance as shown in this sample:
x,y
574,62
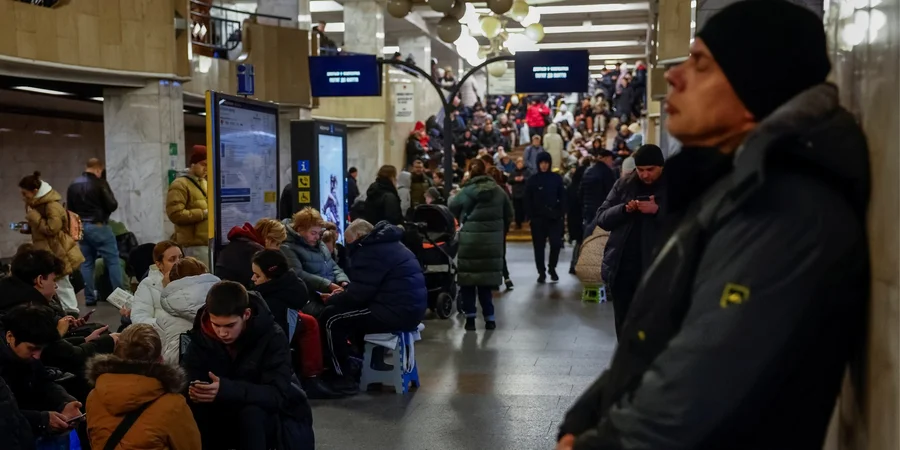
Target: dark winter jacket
x,y
518,187
740,337
383,203
283,293
15,430
484,211
574,208
545,194
490,139
234,261
596,184
313,264
611,216
91,198
352,190
468,145
32,389
387,279
414,150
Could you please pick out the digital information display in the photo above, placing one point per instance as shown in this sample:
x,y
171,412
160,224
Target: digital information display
x,y
345,76
331,181
246,164
552,71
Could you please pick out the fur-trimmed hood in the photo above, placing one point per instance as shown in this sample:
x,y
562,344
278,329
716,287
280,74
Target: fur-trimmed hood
x,y
124,385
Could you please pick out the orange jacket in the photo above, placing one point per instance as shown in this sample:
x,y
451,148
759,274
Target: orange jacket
x,y
122,386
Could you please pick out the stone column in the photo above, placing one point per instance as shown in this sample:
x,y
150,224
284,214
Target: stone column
x,y
364,33
420,49
144,137
296,10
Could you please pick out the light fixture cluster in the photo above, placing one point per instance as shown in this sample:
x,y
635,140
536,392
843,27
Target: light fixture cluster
x,y
461,18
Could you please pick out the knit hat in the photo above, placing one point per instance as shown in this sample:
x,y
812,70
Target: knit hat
x,y
199,154
628,165
544,157
784,35
649,155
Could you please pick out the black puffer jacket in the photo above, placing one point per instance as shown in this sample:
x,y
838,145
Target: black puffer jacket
x,y
383,203
91,198
596,184
740,336
283,293
233,263
15,430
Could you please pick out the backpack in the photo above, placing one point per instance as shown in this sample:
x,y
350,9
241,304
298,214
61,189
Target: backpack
x,y
73,225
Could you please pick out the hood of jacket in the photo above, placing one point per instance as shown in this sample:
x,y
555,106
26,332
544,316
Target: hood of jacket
x,y
552,129
184,298
42,197
822,138
544,157
381,186
480,187
382,233
124,385
245,232
404,180
154,278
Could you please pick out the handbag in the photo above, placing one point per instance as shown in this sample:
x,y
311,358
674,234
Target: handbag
x,y
125,425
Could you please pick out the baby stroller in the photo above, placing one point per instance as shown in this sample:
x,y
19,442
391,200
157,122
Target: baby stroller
x,y
440,243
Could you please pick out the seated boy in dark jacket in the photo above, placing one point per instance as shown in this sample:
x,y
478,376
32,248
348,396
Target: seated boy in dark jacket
x,y
387,294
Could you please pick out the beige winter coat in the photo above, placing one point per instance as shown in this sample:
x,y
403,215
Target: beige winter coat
x,y
186,206
553,144
49,223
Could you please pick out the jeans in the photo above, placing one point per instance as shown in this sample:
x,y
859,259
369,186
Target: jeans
x,y
99,241
543,230
484,297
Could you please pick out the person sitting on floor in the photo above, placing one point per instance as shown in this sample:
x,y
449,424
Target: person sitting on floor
x,y
388,292
145,306
243,243
239,365
309,258
135,378
181,298
286,295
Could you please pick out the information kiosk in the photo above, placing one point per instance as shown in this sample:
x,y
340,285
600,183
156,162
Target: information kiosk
x,y
319,168
242,144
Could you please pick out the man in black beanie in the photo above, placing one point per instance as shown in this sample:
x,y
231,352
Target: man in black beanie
x,y
631,215
740,330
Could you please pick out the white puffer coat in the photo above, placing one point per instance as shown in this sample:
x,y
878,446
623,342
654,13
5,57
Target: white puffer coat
x,y
180,301
145,306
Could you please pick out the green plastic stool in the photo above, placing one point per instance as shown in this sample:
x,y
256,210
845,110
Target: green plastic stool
x,y
594,293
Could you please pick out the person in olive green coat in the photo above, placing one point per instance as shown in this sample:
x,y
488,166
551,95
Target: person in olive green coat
x,y
485,212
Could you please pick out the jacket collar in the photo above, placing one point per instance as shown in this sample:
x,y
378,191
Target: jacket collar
x,y
170,377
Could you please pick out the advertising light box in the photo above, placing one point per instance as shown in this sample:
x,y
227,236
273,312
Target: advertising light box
x,y
552,71
345,76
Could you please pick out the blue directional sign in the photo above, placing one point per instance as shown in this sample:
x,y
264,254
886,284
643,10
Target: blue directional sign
x,y
246,84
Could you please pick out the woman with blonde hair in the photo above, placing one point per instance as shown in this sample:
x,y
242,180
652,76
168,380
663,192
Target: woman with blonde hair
x,y
310,259
134,381
182,296
233,263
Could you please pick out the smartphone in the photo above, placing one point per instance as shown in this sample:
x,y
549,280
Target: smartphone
x,y
196,382
76,419
88,315
643,198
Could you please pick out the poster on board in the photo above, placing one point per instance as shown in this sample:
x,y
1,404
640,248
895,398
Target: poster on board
x,y
404,103
502,85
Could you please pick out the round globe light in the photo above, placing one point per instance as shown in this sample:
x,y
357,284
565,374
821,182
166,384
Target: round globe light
x,y
448,29
399,8
533,17
490,26
459,10
441,6
519,10
500,6
518,42
535,32
497,68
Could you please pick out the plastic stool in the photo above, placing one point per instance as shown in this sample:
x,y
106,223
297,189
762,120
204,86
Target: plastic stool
x,y
594,293
405,371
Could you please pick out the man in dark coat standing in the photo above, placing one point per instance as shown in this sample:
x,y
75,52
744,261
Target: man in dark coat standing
x,y
352,186
596,184
631,214
741,332
545,203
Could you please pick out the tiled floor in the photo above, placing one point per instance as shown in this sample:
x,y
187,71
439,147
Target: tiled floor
x,y
503,389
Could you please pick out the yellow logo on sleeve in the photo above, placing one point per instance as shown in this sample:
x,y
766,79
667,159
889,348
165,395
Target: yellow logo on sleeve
x,y
734,294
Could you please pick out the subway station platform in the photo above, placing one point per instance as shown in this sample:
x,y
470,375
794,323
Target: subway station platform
x,y
501,389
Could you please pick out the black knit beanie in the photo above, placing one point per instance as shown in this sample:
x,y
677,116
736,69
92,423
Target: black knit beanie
x,y
649,155
749,37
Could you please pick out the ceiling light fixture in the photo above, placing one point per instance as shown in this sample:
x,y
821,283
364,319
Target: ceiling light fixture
x,y
596,44
589,29
390,49
320,6
39,90
97,99
618,56
334,27
584,9
42,132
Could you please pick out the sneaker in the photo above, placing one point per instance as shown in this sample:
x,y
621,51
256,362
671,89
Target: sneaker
x,y
572,271
470,324
509,284
542,278
553,276
490,325
317,389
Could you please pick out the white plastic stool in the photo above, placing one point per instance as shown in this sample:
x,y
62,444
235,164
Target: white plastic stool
x,y
403,359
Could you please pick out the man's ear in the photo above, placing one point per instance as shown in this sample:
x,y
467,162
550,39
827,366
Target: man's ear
x,y
247,314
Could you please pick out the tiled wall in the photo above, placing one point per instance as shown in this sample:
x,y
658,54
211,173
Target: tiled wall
x,y
864,38
58,148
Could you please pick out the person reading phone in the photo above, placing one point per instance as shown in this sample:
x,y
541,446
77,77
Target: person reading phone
x,y
631,215
242,387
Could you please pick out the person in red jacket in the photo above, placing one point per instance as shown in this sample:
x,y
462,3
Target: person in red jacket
x,y
535,117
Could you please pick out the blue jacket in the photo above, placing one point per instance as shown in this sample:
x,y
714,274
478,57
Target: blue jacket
x,y
545,194
387,279
595,186
531,154
313,265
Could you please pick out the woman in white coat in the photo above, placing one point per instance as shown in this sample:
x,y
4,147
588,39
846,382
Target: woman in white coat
x,y
145,306
180,300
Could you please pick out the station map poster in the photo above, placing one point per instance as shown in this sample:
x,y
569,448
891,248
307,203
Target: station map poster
x,y
245,162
